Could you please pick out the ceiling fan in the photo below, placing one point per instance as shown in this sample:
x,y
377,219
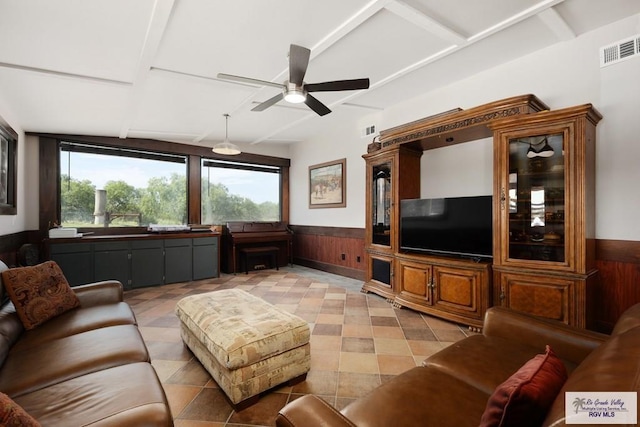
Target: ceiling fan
x,y
295,90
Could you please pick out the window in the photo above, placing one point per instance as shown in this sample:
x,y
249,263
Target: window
x,y
103,186
8,142
234,191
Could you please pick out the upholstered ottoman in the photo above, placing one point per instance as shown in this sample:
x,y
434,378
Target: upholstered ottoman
x,y
246,344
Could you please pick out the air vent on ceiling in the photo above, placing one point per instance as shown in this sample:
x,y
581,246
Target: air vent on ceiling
x,y
368,131
619,51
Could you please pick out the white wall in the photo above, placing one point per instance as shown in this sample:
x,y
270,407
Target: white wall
x,y
339,141
563,75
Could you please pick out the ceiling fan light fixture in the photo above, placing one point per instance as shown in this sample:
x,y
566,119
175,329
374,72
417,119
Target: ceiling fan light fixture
x,y
294,94
226,147
295,90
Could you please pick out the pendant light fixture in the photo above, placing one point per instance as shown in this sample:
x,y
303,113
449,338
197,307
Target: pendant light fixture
x,y
226,147
545,151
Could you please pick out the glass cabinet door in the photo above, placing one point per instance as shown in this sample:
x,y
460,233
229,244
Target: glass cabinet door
x,y
536,198
381,200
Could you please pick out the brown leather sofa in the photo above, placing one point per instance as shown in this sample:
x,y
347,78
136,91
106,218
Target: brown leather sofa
x,y
453,386
88,366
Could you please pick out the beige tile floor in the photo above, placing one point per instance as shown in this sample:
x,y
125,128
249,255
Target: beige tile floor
x,y
358,341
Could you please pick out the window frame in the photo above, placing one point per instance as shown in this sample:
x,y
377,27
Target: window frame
x,y
239,165
10,135
49,152
126,152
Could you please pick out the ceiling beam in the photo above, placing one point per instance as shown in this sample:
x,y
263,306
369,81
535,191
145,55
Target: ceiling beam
x,y
514,19
347,27
155,30
63,74
537,9
425,22
557,24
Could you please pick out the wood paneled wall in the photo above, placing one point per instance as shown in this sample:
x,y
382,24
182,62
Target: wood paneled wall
x,y
618,262
333,249
10,245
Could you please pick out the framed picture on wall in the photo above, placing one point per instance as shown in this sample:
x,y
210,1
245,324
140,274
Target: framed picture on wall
x,y
8,140
328,184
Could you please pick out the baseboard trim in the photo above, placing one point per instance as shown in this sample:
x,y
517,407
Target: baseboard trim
x,y
330,268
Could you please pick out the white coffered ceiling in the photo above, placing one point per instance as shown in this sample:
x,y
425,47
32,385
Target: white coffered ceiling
x,y
147,68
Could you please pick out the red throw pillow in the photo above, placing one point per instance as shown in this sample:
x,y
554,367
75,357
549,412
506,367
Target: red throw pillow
x,y
12,414
525,398
39,292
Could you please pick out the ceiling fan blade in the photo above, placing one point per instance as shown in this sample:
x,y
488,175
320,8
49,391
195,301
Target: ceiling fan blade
x,y
268,103
249,80
337,85
317,106
298,62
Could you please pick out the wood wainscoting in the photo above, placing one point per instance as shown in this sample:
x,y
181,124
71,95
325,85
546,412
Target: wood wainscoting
x,y
10,246
618,263
336,250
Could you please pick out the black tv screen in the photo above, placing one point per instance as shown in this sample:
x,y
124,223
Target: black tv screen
x,y
460,226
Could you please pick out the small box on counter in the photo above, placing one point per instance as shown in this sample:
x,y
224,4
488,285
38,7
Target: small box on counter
x,y
63,232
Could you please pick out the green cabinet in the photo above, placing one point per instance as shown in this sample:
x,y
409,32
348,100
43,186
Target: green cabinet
x,y
205,258
177,260
137,261
147,263
110,262
75,260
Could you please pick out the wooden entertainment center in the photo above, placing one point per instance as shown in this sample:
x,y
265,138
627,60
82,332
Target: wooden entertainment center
x,y
543,214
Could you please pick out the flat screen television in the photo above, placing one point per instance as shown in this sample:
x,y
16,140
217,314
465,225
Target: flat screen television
x,y
458,226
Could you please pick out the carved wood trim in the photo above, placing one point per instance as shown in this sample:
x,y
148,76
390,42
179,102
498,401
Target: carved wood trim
x,y
460,120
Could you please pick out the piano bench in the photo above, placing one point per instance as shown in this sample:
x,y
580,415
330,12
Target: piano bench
x,y
256,252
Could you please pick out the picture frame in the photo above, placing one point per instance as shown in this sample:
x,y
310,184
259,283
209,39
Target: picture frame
x,y
8,149
328,184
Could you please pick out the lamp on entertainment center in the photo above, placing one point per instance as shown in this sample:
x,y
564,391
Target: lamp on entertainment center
x,y
226,147
545,151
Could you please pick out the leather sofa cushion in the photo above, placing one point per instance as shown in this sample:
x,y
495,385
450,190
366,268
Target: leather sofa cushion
x,y
73,356
613,364
10,330
3,294
39,292
77,321
127,395
419,389
484,362
628,320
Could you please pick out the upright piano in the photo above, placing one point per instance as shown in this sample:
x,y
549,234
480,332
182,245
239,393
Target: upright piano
x,y
240,234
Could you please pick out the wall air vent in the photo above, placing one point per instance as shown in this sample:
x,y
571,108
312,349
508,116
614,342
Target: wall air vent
x,y
619,51
368,131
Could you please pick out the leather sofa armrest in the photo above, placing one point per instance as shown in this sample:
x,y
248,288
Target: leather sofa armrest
x,y
311,411
568,342
98,293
